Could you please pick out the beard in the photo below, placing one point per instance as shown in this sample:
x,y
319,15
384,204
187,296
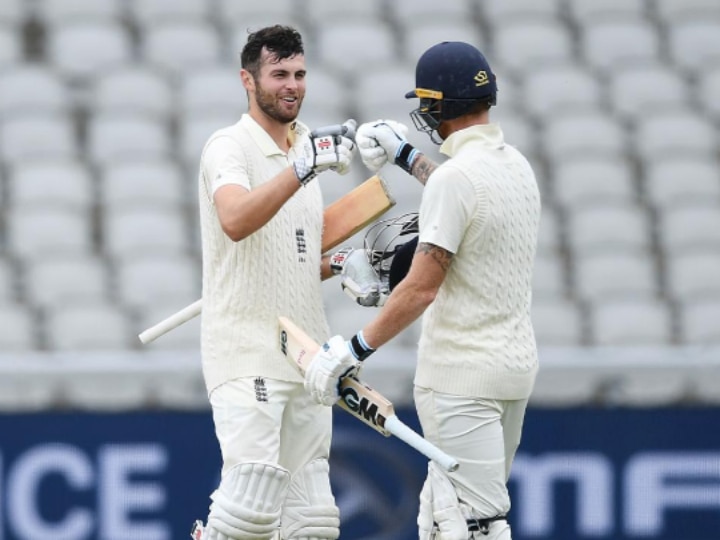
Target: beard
x,y
267,103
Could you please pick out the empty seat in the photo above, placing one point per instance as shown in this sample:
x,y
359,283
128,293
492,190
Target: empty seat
x,y
105,388
705,385
150,12
525,45
588,180
643,387
56,12
380,90
30,87
8,287
36,135
14,12
708,89
155,182
83,48
41,230
690,226
131,231
698,321
605,275
583,132
692,275
560,88
549,233
631,322
429,9
232,12
51,182
669,11
676,131
608,44
65,280
678,180
420,36
557,321
145,280
499,11
584,11
92,326
133,89
115,137
215,88
181,45
608,227
693,43
18,327
638,90
349,43
548,276
370,9
195,130
11,49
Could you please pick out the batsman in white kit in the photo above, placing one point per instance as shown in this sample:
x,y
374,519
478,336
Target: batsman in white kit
x,y
469,277
261,215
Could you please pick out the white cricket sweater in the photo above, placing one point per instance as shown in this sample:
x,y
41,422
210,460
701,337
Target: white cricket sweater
x,y
274,271
477,337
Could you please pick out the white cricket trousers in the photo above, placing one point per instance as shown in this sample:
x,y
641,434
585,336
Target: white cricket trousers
x,y
261,419
483,434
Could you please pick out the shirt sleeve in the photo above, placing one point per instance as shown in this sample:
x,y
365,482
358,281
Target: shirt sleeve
x,y
225,164
447,206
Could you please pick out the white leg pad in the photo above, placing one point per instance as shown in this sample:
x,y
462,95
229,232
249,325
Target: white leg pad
x,y
440,516
248,503
310,511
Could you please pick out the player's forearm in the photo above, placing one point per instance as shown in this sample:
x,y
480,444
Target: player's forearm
x,y
422,168
246,212
325,270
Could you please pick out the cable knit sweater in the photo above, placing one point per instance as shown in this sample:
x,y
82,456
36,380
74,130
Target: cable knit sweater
x,y
483,205
274,271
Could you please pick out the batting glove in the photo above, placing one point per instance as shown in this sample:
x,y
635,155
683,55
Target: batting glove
x,y
358,278
328,148
330,364
385,140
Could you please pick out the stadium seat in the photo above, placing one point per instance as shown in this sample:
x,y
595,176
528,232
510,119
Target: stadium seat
x,y
548,276
705,385
550,232
608,227
648,387
609,275
424,10
146,13
37,136
234,13
581,180
420,36
524,45
367,9
148,279
18,322
631,322
587,11
557,322
560,88
33,87
693,43
64,280
708,88
668,11
112,389
57,12
8,285
381,90
679,180
640,90
41,230
132,89
698,321
588,131
195,129
81,49
11,47
606,45
52,182
688,226
692,275
496,12
213,89
131,231
156,182
92,326
181,46
116,137
675,131
14,12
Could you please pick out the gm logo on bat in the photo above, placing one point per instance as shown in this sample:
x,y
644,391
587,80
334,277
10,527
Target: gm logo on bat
x,y
362,407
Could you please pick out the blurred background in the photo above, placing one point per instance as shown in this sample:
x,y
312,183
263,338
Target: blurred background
x,y
104,108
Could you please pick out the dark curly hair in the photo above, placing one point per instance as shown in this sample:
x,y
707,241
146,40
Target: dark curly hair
x,y
282,41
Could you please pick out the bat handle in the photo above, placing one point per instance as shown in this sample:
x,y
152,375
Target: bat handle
x,y
173,321
403,432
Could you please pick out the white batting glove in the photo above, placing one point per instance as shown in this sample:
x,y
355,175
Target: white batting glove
x,y
385,140
358,278
327,148
330,364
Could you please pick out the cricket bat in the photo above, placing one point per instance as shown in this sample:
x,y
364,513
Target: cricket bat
x,y
359,399
342,219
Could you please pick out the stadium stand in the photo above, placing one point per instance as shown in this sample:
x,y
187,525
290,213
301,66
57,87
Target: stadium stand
x,y
105,107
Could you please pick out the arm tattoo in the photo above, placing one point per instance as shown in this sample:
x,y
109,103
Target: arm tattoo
x,y
423,168
442,256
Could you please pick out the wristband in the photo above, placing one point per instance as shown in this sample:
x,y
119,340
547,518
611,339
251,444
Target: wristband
x,y
303,171
405,156
359,347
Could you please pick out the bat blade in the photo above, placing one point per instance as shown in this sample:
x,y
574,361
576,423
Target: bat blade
x,y
342,219
359,399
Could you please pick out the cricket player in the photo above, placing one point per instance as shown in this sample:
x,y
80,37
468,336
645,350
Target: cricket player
x,y
470,280
261,217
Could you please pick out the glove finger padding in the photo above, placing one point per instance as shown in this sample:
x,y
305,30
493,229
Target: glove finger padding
x,y
330,364
345,150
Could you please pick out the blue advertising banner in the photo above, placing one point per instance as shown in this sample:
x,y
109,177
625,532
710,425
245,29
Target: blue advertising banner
x,y
607,474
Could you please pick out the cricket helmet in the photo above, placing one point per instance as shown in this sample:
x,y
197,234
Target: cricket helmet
x,y
388,248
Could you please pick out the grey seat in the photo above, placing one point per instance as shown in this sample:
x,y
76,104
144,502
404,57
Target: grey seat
x,y
116,137
639,90
33,87
693,275
608,227
36,135
155,182
557,322
698,321
690,226
583,132
57,12
215,88
549,280
132,230
587,180
181,45
82,327
675,131
692,42
560,88
66,280
631,322
132,89
679,180
18,327
608,275
607,45
526,44
52,182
